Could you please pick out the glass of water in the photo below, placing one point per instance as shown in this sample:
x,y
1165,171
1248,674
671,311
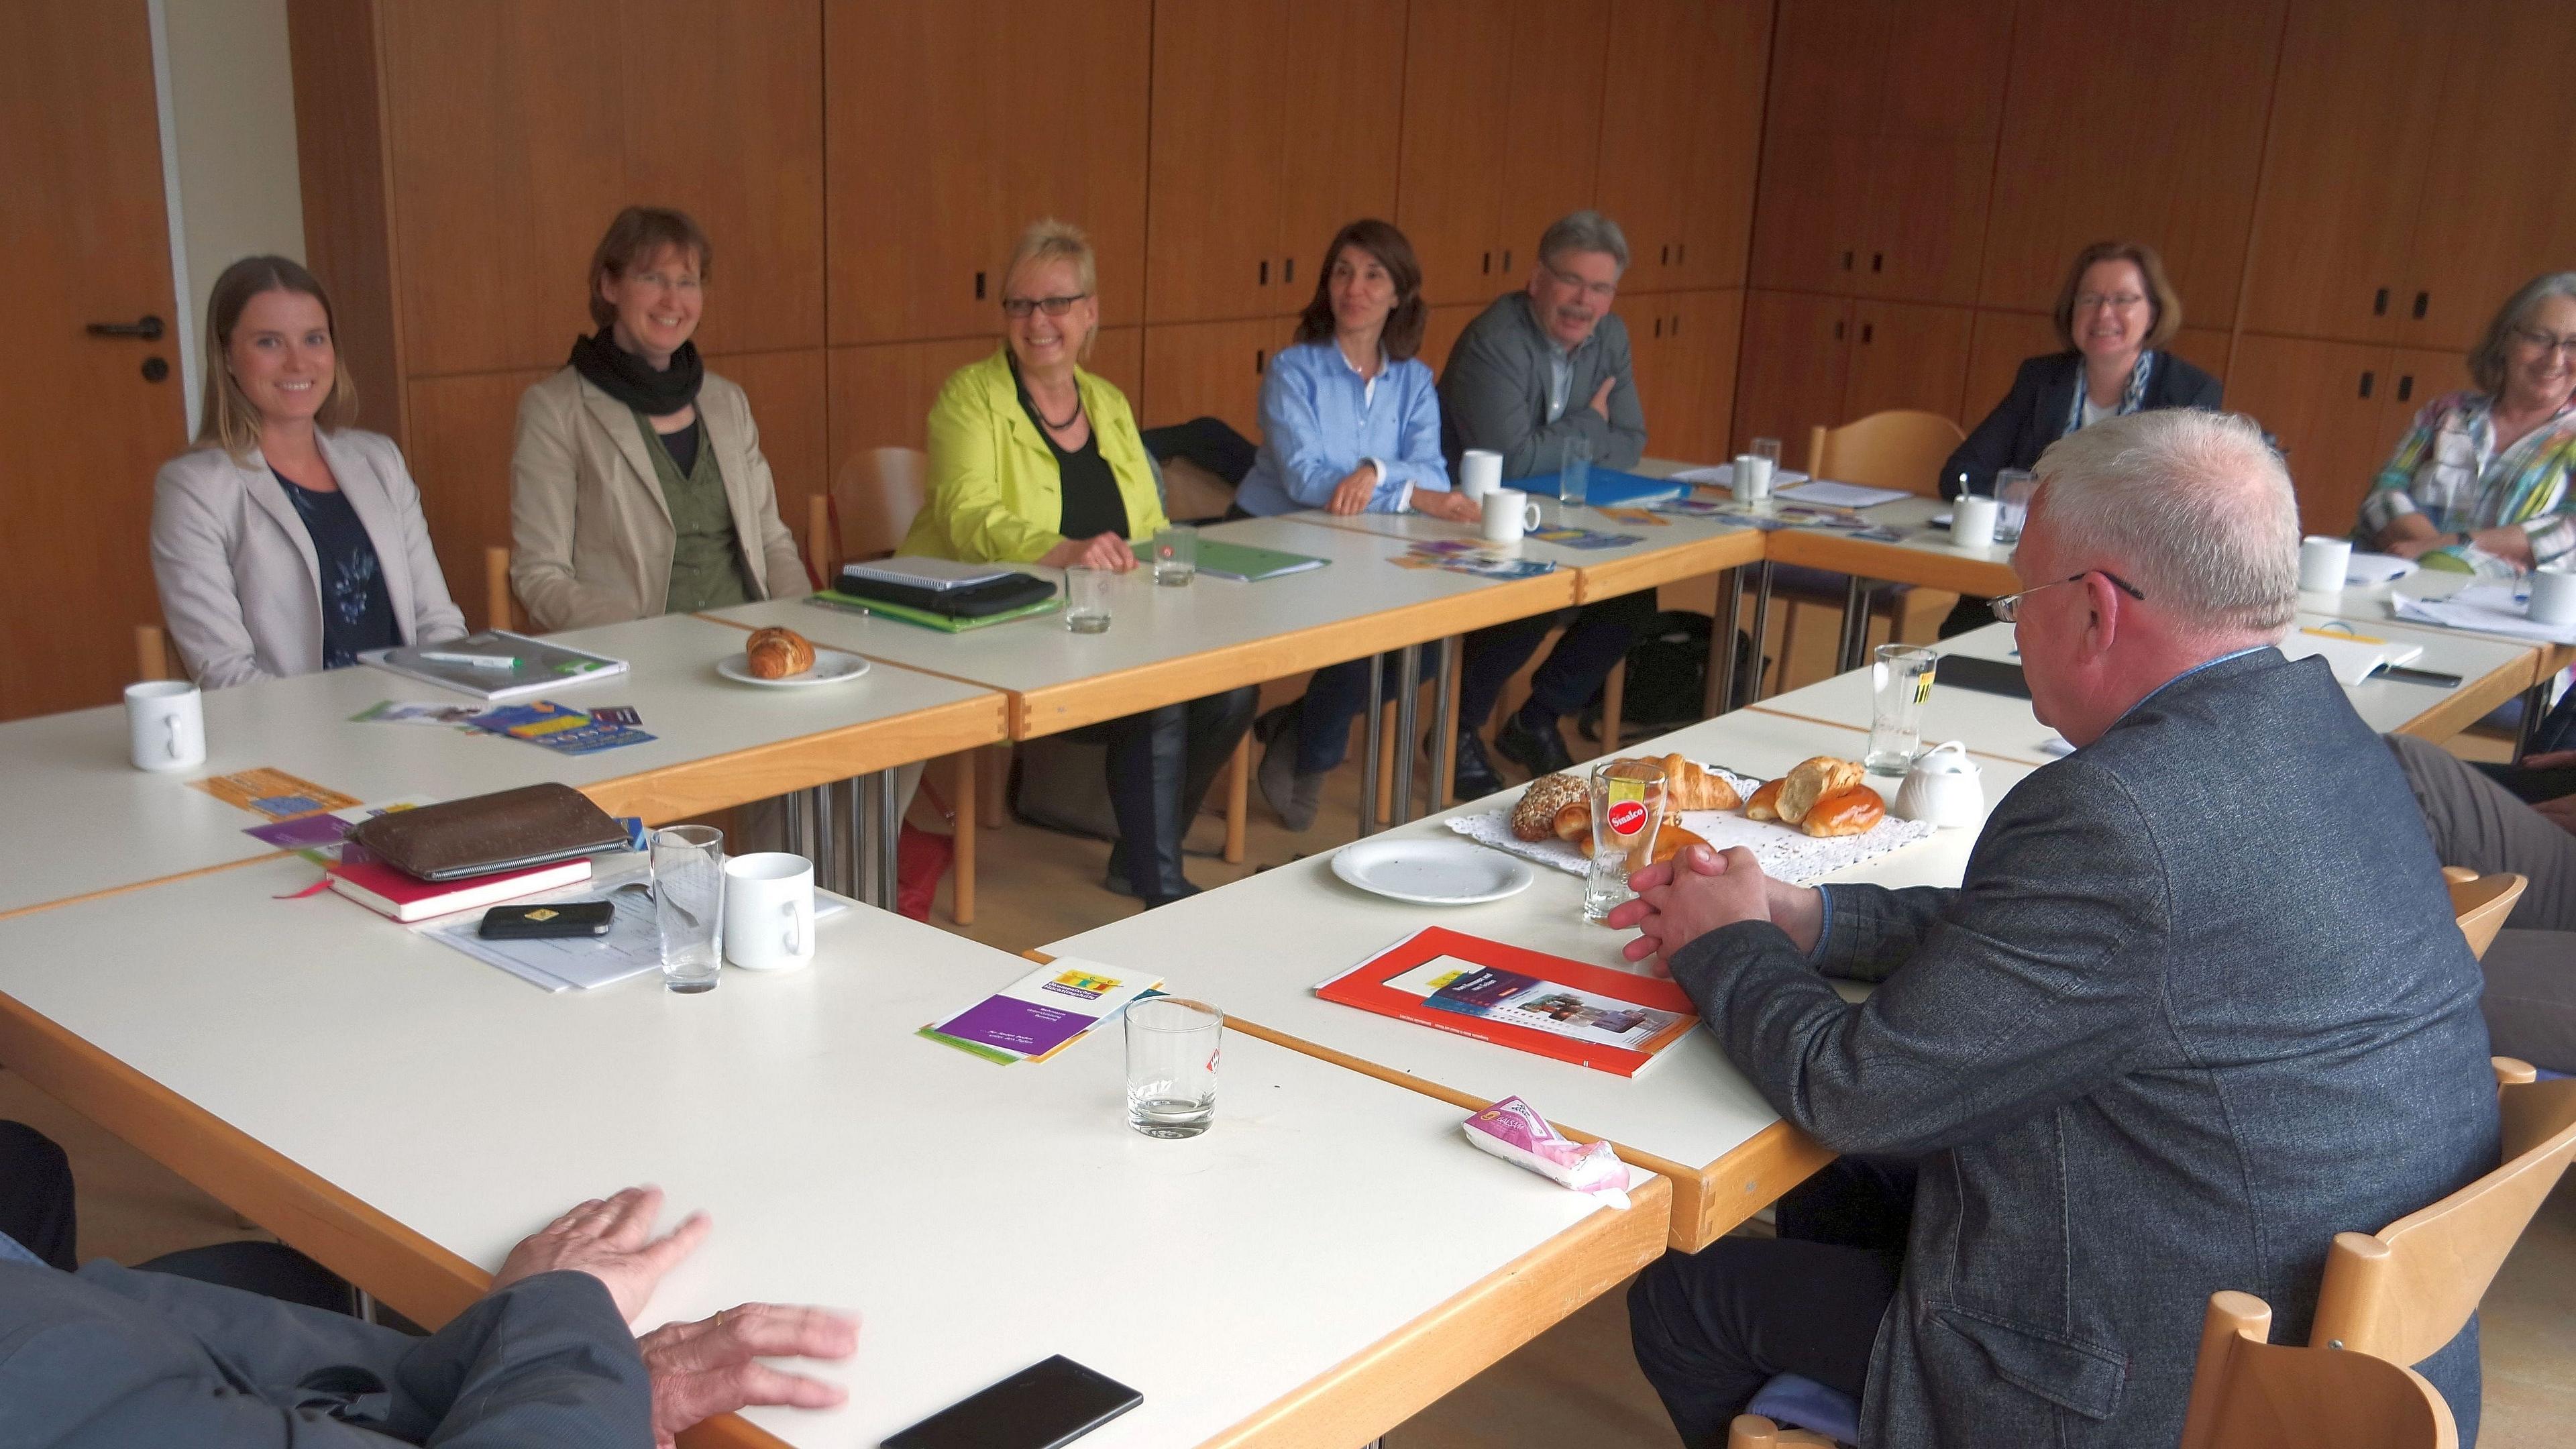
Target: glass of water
x,y
1172,1047
1574,475
2013,487
688,904
1900,681
1627,810
1086,600
1176,556
1768,450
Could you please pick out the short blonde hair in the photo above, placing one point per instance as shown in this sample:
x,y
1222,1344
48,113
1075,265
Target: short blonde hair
x,y
228,419
2164,304
2486,360
1050,240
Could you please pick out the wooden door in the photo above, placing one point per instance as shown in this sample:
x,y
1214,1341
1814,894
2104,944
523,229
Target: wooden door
x,y
1441,328
1814,213
1643,132
1907,355
1720,141
2498,209
1339,67
955,125
1685,368
2328,404
1213,194
2353,121
1926,182
1551,150
1666,380
1210,369
1457,118
2151,130
82,213
1791,369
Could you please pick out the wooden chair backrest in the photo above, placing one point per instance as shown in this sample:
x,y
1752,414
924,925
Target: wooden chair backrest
x,y
1899,449
2249,1391
499,611
152,654
2481,902
876,492
2406,1290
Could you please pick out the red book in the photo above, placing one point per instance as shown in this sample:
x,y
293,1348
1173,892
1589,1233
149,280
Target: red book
x,y
387,891
1592,1016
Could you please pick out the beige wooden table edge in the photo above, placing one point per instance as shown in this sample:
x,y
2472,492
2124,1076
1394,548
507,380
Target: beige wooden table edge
x,y
712,782
1891,563
1695,559
2474,699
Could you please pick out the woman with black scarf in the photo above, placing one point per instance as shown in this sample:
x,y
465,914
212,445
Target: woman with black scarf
x,y
637,486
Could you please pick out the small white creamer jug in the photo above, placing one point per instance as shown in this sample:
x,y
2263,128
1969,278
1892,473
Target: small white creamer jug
x,y
1944,788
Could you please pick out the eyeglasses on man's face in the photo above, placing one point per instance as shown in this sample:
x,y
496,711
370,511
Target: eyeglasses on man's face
x,y
1017,307
1600,292
2008,608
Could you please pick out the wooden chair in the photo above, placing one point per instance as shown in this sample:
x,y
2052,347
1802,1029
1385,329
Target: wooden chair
x,y
2401,1293
2248,1391
2481,903
153,657
1903,450
876,492
500,610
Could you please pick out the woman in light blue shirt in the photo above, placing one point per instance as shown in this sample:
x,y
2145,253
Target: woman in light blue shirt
x,y
1350,423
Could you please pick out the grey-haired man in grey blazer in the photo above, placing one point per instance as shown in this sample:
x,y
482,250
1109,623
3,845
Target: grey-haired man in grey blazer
x,y
2198,1005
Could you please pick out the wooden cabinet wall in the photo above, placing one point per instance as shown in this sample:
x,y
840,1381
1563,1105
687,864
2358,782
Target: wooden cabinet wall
x,y
1811,360
2339,409
1680,137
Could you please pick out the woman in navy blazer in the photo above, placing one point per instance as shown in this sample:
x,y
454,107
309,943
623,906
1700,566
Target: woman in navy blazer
x,y
2115,314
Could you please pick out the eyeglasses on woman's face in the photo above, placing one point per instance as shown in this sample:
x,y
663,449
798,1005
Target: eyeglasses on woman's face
x,y
1021,307
2008,608
2542,344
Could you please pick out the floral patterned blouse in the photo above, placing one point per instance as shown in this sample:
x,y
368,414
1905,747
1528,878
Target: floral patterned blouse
x,y
2449,469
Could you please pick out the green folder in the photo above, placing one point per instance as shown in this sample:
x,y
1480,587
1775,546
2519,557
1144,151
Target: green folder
x,y
941,621
1246,564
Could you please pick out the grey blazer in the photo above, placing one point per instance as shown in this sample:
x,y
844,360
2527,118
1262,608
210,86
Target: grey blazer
x,y
2198,1007
110,1357
1493,393
240,584
590,533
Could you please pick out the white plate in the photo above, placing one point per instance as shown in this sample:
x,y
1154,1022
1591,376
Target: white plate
x,y
831,666
1432,872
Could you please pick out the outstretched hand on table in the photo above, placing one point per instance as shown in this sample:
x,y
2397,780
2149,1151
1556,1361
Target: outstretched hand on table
x,y
713,1366
612,1240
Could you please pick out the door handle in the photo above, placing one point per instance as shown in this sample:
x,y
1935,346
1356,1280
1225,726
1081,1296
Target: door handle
x,y
1265,271
1659,327
1288,270
1838,332
148,327
1865,330
1489,264
2379,303
2406,387
1877,261
1507,260
1847,261
1260,359
2366,381
979,286
2421,299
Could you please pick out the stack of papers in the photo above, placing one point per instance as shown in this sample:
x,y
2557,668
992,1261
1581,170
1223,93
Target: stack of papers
x,y
927,573
2488,609
1824,493
632,947
2354,658
517,666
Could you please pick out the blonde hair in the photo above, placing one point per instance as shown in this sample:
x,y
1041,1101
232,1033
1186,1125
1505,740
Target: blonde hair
x,y
1050,240
228,419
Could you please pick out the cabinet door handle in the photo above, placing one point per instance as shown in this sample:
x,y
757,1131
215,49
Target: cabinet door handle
x,y
2379,303
1507,260
1489,264
1260,360
1659,327
2405,386
1665,256
2422,299
1265,271
1288,270
2366,381
148,328
1847,261
1838,332
1877,261
1865,330
979,286
1680,251
1677,324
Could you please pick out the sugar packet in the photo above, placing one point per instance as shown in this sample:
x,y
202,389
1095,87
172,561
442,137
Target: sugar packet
x,y
1512,1130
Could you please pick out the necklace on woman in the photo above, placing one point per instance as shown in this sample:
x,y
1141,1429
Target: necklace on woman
x,y
1069,418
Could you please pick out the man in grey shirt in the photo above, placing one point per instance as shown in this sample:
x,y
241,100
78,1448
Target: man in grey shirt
x,y
1540,368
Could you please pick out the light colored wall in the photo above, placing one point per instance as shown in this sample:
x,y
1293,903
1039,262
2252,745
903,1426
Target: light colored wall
x,y
228,126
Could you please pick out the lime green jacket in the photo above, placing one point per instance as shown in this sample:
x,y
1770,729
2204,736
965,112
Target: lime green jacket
x,y
995,492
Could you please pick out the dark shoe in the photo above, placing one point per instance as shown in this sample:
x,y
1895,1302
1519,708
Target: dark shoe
x,y
1117,884
1291,796
1539,751
1473,775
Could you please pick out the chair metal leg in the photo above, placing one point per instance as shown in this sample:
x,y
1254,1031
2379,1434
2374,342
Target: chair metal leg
x,y
1370,742
1721,646
1238,798
859,878
1444,726
2536,703
961,896
1408,687
1614,699
1762,629
889,832
1855,634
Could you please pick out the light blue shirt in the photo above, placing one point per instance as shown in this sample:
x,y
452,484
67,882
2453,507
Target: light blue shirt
x,y
1320,419
12,1251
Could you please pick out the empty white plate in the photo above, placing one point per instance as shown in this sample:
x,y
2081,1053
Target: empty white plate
x,y
831,666
1433,872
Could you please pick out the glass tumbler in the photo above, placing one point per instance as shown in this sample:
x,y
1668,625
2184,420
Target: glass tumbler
x,y
2013,487
1900,678
688,904
1172,1047
1086,600
1574,474
1176,556
1768,450
1627,810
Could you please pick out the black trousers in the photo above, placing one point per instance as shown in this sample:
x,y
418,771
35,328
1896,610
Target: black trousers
x,y
1711,1328
38,1208
1160,765
1597,637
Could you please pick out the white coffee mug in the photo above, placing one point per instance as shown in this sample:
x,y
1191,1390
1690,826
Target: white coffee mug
x,y
166,719
1509,513
2323,564
1751,480
769,911
1480,471
1972,521
2553,596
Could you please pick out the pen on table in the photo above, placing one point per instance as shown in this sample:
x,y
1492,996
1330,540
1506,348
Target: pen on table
x,y
818,601
2344,633
472,661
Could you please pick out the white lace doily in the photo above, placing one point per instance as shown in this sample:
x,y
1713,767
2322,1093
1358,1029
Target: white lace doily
x,y
1784,851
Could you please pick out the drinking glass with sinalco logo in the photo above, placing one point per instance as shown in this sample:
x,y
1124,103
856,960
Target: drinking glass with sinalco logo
x,y
1627,810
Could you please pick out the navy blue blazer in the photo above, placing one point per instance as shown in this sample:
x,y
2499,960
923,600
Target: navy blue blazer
x,y
2033,415
2198,1006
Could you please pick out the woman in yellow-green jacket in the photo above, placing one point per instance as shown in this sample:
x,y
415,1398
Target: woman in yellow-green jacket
x,y
1033,460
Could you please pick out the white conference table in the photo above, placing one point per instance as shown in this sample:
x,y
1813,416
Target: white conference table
x,y
82,819
2491,669
1330,1257
1259,946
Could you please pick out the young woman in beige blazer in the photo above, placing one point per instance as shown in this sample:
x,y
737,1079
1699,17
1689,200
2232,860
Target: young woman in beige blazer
x,y
287,541
637,486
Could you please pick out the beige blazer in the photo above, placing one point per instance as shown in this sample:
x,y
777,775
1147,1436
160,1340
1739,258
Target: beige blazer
x,y
240,585
590,532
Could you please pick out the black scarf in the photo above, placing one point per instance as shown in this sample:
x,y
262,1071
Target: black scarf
x,y
633,381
